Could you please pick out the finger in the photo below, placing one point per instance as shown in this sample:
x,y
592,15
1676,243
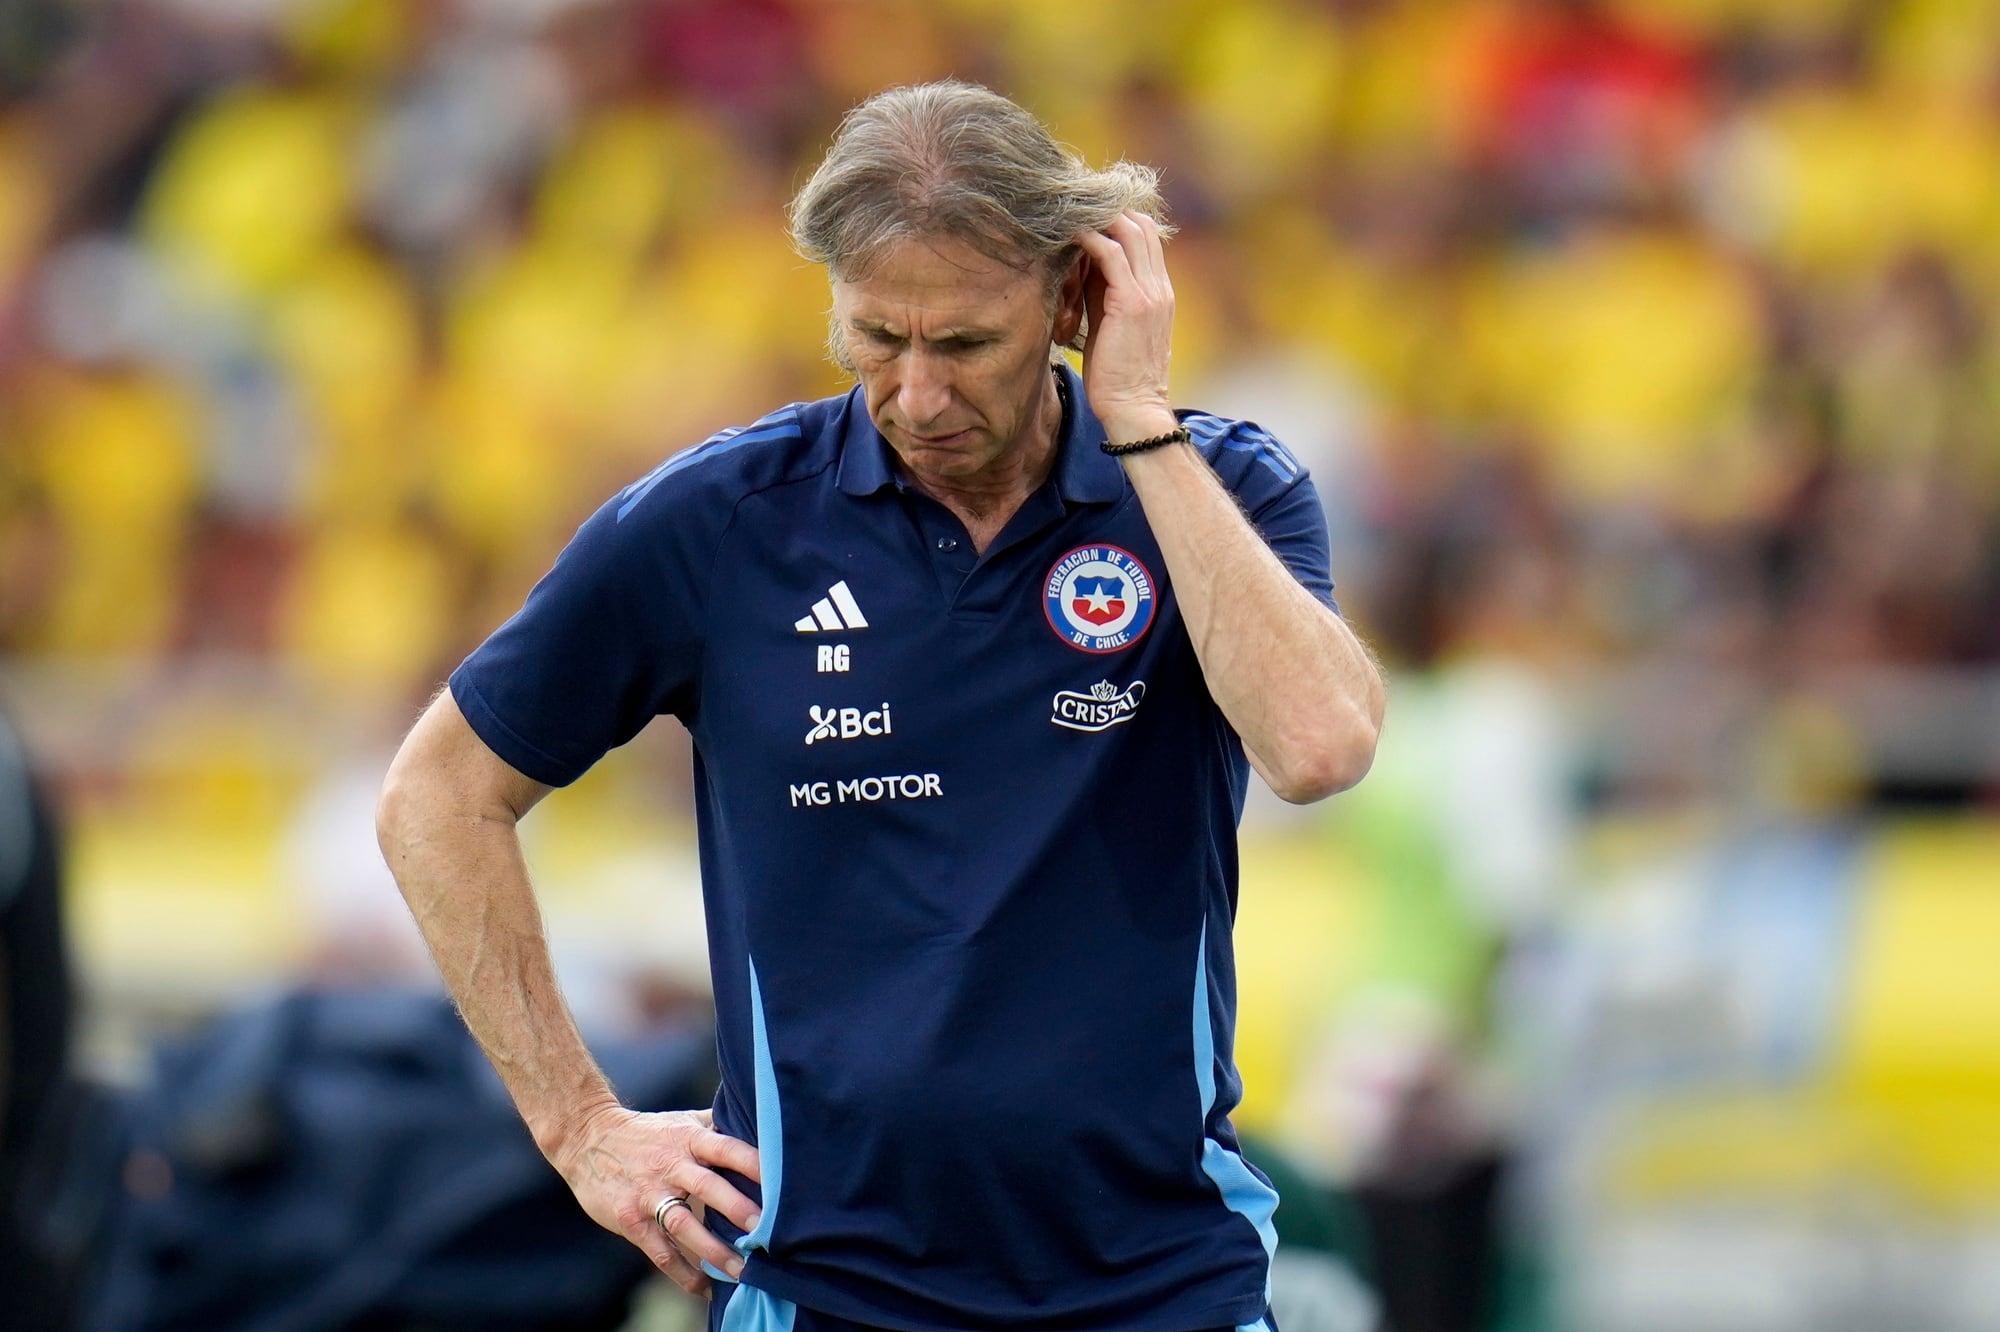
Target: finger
x,y
1139,236
726,1153
1110,257
698,1245
683,1273
1154,243
1146,248
689,1179
653,1242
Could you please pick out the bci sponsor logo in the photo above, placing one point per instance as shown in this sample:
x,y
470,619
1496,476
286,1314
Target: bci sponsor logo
x,y
846,723
867,790
1103,707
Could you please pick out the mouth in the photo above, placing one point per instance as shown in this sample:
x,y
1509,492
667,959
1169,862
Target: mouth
x,y
954,437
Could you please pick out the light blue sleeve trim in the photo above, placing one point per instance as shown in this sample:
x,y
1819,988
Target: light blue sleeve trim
x,y
779,425
770,1124
1242,1191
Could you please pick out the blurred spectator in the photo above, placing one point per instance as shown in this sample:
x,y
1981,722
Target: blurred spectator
x,y
359,931
36,1014
1463,833
1576,106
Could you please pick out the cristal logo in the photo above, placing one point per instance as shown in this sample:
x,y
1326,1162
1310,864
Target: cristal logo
x,y
846,723
1103,707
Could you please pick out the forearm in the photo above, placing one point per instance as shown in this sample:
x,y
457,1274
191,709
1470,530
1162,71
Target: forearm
x,y
1297,684
460,867
448,822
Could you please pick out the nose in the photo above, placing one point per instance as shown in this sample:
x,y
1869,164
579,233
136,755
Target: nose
x,y
925,392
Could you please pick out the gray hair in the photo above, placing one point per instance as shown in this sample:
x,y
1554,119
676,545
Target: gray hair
x,y
953,159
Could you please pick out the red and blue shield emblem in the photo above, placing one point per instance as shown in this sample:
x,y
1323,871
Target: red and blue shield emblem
x,y
1099,598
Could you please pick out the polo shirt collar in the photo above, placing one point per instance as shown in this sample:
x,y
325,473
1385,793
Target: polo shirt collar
x,y
1084,474
864,454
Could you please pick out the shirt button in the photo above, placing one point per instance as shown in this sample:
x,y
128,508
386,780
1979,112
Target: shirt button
x,y
947,544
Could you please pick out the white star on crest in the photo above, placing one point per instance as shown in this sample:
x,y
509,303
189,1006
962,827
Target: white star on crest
x,y
1100,600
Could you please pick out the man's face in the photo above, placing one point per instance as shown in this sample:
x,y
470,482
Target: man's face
x,y
952,351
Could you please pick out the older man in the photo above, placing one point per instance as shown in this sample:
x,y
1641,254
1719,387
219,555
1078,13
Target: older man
x,y
975,658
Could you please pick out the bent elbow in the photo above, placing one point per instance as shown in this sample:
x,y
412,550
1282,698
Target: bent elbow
x,y
407,805
392,812
1329,765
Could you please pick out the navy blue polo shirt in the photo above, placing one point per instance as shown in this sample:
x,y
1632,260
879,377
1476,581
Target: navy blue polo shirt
x,y
968,846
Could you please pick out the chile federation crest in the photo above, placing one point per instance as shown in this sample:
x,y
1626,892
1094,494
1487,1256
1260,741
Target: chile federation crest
x,y
1099,598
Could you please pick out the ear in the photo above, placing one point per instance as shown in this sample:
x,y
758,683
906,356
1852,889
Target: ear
x,y
1069,302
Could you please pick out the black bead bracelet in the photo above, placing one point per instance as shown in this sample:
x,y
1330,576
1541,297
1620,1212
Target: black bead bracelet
x,y
1178,435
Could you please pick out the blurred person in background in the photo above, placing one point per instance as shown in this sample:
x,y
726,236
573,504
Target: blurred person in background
x,y
1464,834
36,1013
975,1015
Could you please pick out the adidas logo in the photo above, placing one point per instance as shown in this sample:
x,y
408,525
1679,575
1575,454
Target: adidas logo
x,y
835,610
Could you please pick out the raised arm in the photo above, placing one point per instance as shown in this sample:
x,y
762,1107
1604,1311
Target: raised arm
x,y
1301,689
447,824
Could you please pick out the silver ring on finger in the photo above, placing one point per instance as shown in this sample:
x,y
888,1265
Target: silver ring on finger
x,y
667,1204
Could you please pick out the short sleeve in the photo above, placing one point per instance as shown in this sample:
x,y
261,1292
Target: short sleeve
x,y
1276,492
607,640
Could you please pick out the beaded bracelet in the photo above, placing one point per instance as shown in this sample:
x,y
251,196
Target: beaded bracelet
x,y
1178,435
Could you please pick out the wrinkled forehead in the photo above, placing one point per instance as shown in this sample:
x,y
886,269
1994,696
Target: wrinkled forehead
x,y
940,275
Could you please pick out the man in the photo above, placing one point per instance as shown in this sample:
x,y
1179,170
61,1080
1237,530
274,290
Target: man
x,y
972,701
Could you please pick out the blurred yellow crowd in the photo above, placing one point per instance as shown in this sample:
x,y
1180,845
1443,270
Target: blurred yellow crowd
x,y
324,327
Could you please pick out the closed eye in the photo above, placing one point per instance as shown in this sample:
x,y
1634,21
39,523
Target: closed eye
x,y
884,339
